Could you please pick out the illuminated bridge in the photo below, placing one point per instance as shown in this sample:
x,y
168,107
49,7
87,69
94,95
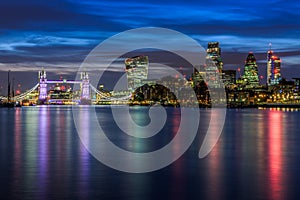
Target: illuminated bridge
x,y
85,90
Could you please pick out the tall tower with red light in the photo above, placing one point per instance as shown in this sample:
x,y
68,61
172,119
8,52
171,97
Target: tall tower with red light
x,y
273,68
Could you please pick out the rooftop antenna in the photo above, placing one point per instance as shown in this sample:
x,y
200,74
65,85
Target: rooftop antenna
x,y
239,71
8,86
13,88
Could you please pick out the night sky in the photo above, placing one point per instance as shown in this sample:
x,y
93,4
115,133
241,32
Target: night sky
x,y
58,34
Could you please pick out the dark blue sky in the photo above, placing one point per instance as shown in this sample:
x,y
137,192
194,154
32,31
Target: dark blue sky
x,y
58,34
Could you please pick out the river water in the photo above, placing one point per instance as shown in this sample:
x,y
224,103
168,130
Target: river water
x,y
256,157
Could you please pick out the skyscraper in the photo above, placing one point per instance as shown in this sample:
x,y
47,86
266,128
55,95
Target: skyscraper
x,y
137,71
229,77
273,69
214,54
251,73
213,66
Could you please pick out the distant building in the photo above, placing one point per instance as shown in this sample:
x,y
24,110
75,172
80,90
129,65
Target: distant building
x,y
297,89
214,53
197,76
229,77
251,72
297,84
137,71
213,66
273,69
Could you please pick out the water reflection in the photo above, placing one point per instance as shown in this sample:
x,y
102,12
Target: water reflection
x,y
84,161
31,151
215,179
45,151
42,157
178,177
296,109
275,155
43,146
17,149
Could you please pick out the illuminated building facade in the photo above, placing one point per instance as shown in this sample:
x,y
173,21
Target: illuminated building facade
x,y
212,75
213,53
229,77
197,75
137,71
85,87
251,72
273,69
213,66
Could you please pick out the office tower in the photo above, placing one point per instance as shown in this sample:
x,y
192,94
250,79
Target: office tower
x,y
137,71
213,66
214,54
229,77
250,72
273,69
198,75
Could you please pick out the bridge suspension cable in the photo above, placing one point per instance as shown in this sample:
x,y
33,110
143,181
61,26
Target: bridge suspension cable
x,y
99,92
23,95
107,97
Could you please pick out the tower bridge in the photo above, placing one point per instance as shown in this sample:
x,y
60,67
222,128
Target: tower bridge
x,y
85,91
43,86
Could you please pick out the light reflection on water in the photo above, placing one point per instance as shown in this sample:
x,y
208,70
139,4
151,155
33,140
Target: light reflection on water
x,y
275,153
257,157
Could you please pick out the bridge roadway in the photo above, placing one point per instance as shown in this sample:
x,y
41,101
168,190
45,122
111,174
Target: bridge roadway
x,y
63,81
42,86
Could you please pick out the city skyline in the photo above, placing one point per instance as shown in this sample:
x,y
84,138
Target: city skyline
x,y
245,90
262,71
150,100
58,35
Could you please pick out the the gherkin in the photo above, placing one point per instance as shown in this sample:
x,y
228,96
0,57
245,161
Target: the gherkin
x,y
251,72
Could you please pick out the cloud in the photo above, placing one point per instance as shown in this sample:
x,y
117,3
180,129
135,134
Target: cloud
x,y
291,60
58,34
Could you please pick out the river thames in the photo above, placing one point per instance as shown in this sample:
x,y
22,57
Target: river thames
x,y
256,157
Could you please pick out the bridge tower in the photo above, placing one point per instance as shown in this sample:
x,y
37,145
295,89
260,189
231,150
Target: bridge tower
x,y
43,85
85,87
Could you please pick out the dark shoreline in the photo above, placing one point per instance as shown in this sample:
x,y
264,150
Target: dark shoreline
x,y
279,106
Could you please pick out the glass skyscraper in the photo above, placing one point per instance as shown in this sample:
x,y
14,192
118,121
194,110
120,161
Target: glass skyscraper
x,y
214,54
213,66
251,72
273,69
137,71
